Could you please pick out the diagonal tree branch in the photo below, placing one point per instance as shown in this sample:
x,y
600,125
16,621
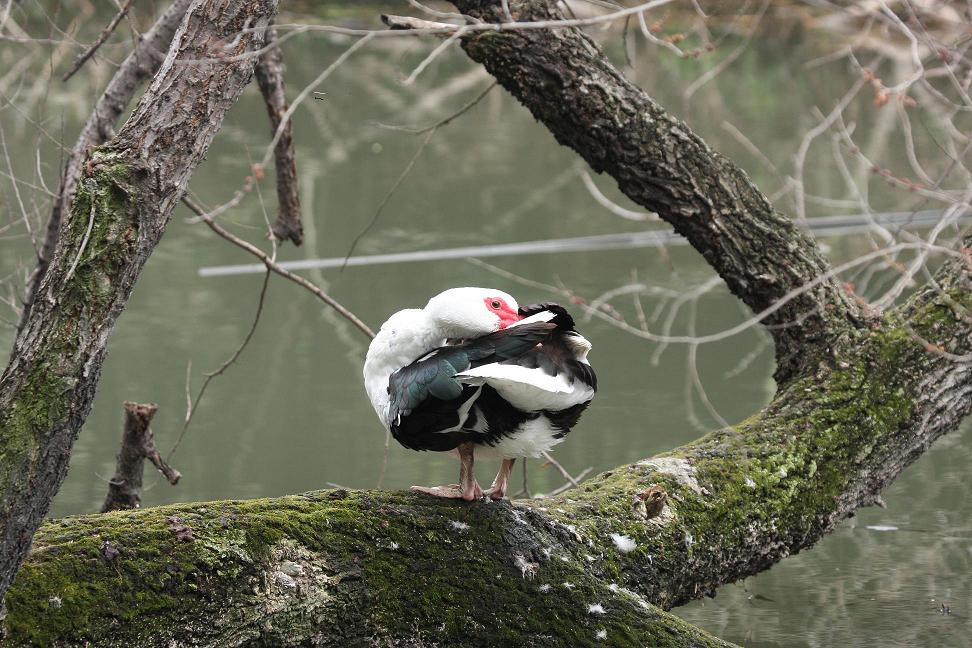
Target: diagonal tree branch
x,y
83,57
137,67
568,84
129,187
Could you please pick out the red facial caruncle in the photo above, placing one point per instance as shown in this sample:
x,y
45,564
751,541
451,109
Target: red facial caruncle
x,y
506,314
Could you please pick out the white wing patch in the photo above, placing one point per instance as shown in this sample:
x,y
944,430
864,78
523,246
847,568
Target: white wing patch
x,y
463,413
527,389
542,316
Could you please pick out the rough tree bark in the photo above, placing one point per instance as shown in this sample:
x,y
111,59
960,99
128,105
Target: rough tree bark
x,y
140,65
858,400
564,79
125,196
137,445
269,76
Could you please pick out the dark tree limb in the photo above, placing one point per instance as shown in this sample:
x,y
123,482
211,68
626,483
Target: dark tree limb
x,y
137,445
568,84
137,68
269,76
126,194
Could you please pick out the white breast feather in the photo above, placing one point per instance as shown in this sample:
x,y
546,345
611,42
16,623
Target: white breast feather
x,y
531,439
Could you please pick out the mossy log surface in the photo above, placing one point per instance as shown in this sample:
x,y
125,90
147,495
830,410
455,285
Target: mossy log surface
x,y
330,568
124,198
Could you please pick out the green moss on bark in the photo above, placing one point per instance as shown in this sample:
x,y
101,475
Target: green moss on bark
x,y
105,205
379,566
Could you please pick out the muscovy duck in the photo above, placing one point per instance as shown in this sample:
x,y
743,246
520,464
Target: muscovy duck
x,y
474,372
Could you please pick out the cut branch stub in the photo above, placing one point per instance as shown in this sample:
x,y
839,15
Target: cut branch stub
x,y
568,84
269,76
137,445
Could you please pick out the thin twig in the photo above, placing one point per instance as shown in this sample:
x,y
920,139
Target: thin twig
x,y
211,375
384,201
83,57
444,120
84,243
274,267
569,485
563,471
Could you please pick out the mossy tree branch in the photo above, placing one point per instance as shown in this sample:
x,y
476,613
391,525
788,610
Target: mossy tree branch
x,y
125,196
325,569
136,69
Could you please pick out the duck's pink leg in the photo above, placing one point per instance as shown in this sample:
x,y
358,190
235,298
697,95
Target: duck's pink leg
x,y
498,490
467,488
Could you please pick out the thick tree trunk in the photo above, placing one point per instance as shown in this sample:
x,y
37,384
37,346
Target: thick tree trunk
x,y
125,196
568,84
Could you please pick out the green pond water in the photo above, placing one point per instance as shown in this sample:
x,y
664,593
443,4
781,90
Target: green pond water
x,y
291,415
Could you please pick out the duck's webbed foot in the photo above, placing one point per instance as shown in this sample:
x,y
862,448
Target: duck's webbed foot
x,y
467,488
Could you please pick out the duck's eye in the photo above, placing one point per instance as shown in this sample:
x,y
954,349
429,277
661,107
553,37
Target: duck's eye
x,y
495,304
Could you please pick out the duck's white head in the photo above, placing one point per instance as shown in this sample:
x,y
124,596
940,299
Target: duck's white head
x,y
472,312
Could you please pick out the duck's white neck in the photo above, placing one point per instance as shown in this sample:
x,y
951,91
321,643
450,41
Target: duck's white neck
x,y
405,337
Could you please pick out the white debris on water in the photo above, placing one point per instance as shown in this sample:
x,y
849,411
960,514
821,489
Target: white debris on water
x,y
624,543
881,527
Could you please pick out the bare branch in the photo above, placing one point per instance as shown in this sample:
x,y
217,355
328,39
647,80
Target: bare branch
x,y
88,53
273,266
269,76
